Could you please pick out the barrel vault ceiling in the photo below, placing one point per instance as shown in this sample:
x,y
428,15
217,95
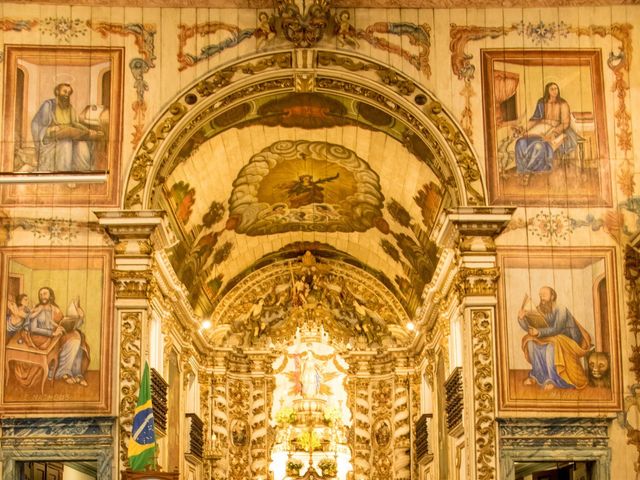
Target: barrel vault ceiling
x,y
309,173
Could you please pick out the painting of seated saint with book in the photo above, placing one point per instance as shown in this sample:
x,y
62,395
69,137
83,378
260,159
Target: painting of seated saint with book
x,y
557,330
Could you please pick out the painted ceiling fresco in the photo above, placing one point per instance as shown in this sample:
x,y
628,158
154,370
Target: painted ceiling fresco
x,y
303,175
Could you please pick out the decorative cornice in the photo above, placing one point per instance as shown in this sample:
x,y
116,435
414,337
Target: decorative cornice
x,y
130,225
480,221
554,432
269,4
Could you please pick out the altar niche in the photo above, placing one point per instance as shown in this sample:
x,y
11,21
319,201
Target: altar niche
x,y
310,413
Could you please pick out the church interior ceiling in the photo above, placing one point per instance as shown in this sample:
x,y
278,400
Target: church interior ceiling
x,y
268,180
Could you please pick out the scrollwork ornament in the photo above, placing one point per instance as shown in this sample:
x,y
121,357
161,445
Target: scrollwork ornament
x,y
484,398
130,362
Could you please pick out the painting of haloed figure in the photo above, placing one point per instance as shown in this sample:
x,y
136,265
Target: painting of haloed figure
x,y
546,130
558,330
62,115
57,338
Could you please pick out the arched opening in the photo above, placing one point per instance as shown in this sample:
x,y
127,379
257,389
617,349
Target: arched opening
x,y
291,207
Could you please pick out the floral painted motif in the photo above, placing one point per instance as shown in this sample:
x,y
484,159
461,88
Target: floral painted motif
x,y
64,28
541,33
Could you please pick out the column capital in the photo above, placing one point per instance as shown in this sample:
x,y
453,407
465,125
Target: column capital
x,y
131,230
473,228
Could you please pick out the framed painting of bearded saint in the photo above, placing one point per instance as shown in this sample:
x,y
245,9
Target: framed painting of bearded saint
x,y
62,114
57,342
558,330
544,115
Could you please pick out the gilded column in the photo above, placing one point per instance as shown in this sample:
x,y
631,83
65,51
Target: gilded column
x,y
473,229
132,276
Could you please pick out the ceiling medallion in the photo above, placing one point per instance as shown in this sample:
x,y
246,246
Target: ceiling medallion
x,y
303,30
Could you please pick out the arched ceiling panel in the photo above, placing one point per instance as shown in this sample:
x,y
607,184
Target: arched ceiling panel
x,y
251,191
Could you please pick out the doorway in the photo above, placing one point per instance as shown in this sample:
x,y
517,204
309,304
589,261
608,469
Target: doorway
x,y
561,470
60,470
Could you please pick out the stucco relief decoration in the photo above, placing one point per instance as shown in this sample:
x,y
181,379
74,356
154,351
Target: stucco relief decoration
x,y
632,398
266,310
305,186
288,25
484,397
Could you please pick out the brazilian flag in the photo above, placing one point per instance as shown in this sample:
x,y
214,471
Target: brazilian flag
x,y
142,447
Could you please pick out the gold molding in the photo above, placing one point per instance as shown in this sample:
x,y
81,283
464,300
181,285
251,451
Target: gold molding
x,y
477,281
130,364
484,396
132,283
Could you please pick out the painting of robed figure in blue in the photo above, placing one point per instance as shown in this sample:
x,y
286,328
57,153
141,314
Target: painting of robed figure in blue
x,y
557,330
545,123
62,115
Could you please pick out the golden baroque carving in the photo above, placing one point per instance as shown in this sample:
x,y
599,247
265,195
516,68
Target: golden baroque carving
x,y
238,429
389,77
632,290
484,397
382,395
132,284
130,361
477,281
430,369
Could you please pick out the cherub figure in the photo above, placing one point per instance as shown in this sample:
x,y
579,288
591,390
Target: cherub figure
x,y
345,32
266,30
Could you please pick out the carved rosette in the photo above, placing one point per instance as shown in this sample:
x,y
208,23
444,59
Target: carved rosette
x,y
484,395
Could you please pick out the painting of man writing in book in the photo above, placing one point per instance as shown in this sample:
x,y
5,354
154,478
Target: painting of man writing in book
x,y
56,350
545,123
557,330
555,343
548,133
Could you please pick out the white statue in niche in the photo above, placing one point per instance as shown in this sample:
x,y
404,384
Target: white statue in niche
x,y
310,377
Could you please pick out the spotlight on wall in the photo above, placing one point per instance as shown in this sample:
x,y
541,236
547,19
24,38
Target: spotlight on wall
x,y
411,326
